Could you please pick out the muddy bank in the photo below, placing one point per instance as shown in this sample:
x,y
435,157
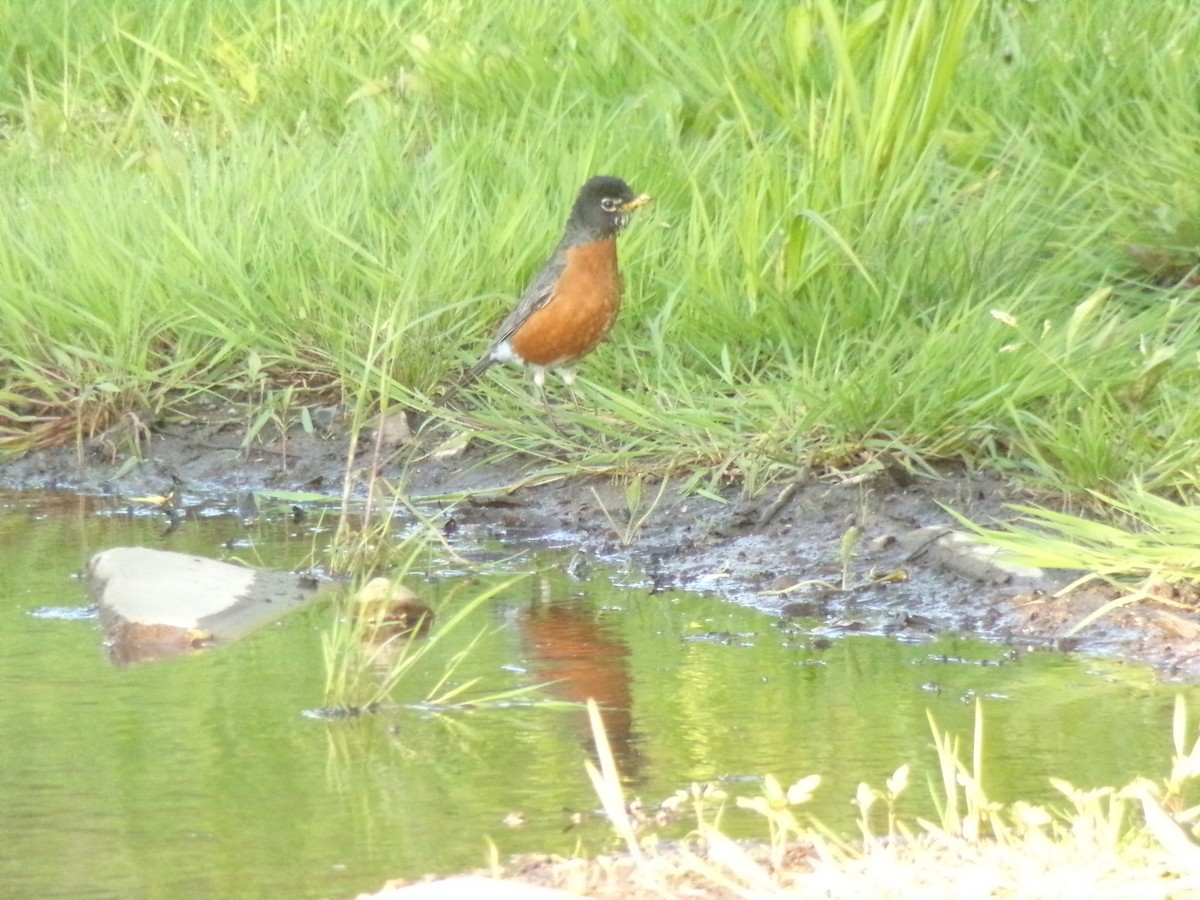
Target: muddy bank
x,y
781,551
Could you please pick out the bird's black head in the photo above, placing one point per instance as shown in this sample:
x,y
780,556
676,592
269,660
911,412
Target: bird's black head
x,y
603,208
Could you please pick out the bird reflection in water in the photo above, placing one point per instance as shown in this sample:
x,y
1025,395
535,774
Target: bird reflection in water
x,y
579,655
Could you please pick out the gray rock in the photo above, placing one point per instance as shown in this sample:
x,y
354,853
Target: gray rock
x,y
156,603
969,556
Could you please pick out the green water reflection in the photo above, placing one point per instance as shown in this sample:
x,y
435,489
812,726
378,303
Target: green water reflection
x,y
202,777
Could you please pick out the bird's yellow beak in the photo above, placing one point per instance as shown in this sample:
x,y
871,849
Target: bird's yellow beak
x,y
636,202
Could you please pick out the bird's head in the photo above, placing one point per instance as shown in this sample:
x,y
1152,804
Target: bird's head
x,y
604,206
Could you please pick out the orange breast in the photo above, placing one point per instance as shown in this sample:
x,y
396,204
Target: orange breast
x,y
580,314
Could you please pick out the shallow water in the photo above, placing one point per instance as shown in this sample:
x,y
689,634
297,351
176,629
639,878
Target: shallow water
x,y
202,776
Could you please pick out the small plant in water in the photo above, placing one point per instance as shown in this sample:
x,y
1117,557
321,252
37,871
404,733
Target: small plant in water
x,y
362,671
636,516
846,553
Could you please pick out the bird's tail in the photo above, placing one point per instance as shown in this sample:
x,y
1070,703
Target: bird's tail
x,y
467,377
476,370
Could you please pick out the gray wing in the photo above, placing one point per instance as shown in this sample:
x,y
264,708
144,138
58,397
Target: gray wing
x,y
537,295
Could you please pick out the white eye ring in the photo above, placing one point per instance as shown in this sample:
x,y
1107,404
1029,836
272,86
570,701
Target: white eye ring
x,y
608,204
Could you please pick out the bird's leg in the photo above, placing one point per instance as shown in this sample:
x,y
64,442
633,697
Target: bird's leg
x,y
539,383
568,377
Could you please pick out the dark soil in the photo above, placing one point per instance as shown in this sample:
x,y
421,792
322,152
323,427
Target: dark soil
x,y
779,551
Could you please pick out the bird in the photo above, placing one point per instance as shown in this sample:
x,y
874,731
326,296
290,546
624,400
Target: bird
x,y
572,303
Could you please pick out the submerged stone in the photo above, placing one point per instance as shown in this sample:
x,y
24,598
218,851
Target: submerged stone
x,y
389,609
155,604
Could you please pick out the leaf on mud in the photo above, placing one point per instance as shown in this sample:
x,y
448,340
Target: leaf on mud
x,y
453,447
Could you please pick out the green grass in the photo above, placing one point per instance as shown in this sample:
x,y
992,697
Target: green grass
x,y
877,226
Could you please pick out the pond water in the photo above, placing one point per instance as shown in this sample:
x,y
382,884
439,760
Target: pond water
x,y
203,775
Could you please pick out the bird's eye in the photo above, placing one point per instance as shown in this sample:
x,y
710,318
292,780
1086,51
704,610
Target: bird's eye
x,y
608,204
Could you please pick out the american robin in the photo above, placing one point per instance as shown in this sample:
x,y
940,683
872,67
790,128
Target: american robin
x,y
570,307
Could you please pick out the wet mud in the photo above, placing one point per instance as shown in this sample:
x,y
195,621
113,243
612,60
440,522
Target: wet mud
x,y
875,553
